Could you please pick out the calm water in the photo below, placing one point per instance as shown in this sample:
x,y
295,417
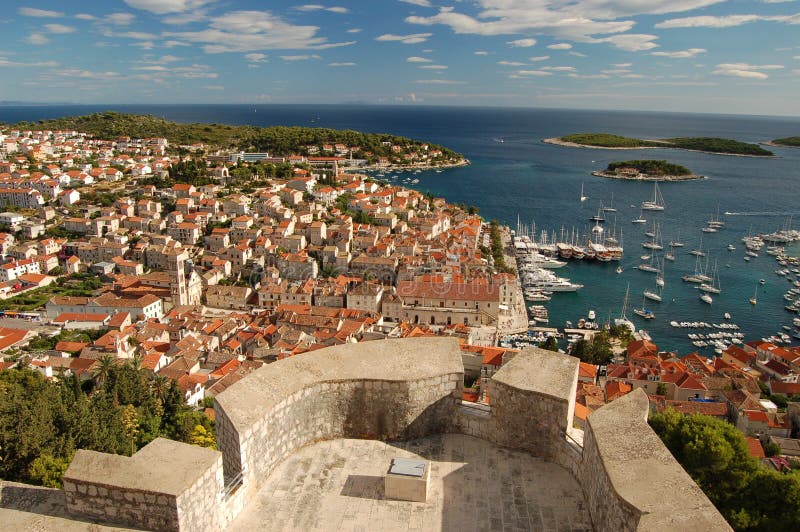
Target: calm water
x,y
538,182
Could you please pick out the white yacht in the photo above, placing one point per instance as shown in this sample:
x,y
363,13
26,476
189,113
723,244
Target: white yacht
x,y
657,203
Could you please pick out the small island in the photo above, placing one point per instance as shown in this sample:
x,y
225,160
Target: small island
x,y
791,142
713,145
647,170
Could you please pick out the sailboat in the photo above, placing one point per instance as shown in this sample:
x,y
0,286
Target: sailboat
x,y
677,242
699,251
644,312
657,203
705,298
640,220
583,197
623,319
754,299
670,255
654,235
610,208
713,285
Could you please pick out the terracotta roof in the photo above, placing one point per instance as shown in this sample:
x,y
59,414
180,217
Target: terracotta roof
x,y
755,448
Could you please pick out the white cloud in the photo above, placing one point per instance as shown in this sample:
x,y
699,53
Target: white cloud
x,y
40,13
342,64
434,67
539,58
318,7
37,39
631,42
80,73
422,3
440,82
577,54
405,39
559,68
172,44
622,65
522,43
744,70
59,28
354,30
560,46
37,64
253,31
120,19
533,73
85,16
214,87
681,54
301,57
480,52
510,63
256,58
163,7
725,21
417,59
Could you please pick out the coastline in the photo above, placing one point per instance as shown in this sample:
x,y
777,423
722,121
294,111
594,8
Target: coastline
x,y
645,177
401,167
776,145
558,142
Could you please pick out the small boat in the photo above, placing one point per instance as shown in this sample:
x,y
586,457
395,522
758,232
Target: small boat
x,y
761,281
754,299
583,196
619,269
731,247
747,259
709,229
705,298
649,294
727,315
657,203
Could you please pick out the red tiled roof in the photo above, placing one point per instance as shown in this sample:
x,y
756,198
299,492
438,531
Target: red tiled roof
x,y
755,448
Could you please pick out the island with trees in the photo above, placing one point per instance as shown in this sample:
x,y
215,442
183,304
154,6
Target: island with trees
x,y
703,144
792,142
647,170
374,149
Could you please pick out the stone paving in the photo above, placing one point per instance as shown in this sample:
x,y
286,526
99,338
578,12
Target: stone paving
x,y
475,485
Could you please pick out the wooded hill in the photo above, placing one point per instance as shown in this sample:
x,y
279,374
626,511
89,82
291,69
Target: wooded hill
x,y
278,140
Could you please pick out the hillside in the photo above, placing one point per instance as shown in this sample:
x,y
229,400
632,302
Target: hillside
x,y
705,144
278,140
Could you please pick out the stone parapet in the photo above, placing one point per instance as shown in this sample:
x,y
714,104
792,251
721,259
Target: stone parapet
x,y
388,390
167,485
630,479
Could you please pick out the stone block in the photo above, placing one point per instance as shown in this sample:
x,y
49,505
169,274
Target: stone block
x,y
407,480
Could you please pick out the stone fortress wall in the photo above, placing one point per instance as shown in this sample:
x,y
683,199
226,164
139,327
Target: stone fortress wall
x,y
394,390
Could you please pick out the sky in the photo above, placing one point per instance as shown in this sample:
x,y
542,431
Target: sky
x,y
735,56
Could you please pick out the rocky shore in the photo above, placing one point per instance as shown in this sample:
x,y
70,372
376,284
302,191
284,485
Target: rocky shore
x,y
646,177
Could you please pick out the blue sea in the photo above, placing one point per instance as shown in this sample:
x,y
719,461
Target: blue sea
x,y
521,177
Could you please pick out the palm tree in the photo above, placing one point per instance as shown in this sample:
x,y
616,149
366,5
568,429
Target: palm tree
x,y
102,368
160,385
135,362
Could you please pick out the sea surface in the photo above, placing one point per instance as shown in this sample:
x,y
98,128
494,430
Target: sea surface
x,y
523,178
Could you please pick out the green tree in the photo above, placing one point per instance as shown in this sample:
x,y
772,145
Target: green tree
x,y
48,470
551,344
202,437
102,368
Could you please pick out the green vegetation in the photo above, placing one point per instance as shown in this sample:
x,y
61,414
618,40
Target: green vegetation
x,y
707,144
43,423
597,351
651,167
497,247
717,145
788,141
77,285
607,140
715,454
278,140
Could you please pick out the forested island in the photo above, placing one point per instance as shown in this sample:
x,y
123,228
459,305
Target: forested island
x,y
277,140
705,144
787,141
647,170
